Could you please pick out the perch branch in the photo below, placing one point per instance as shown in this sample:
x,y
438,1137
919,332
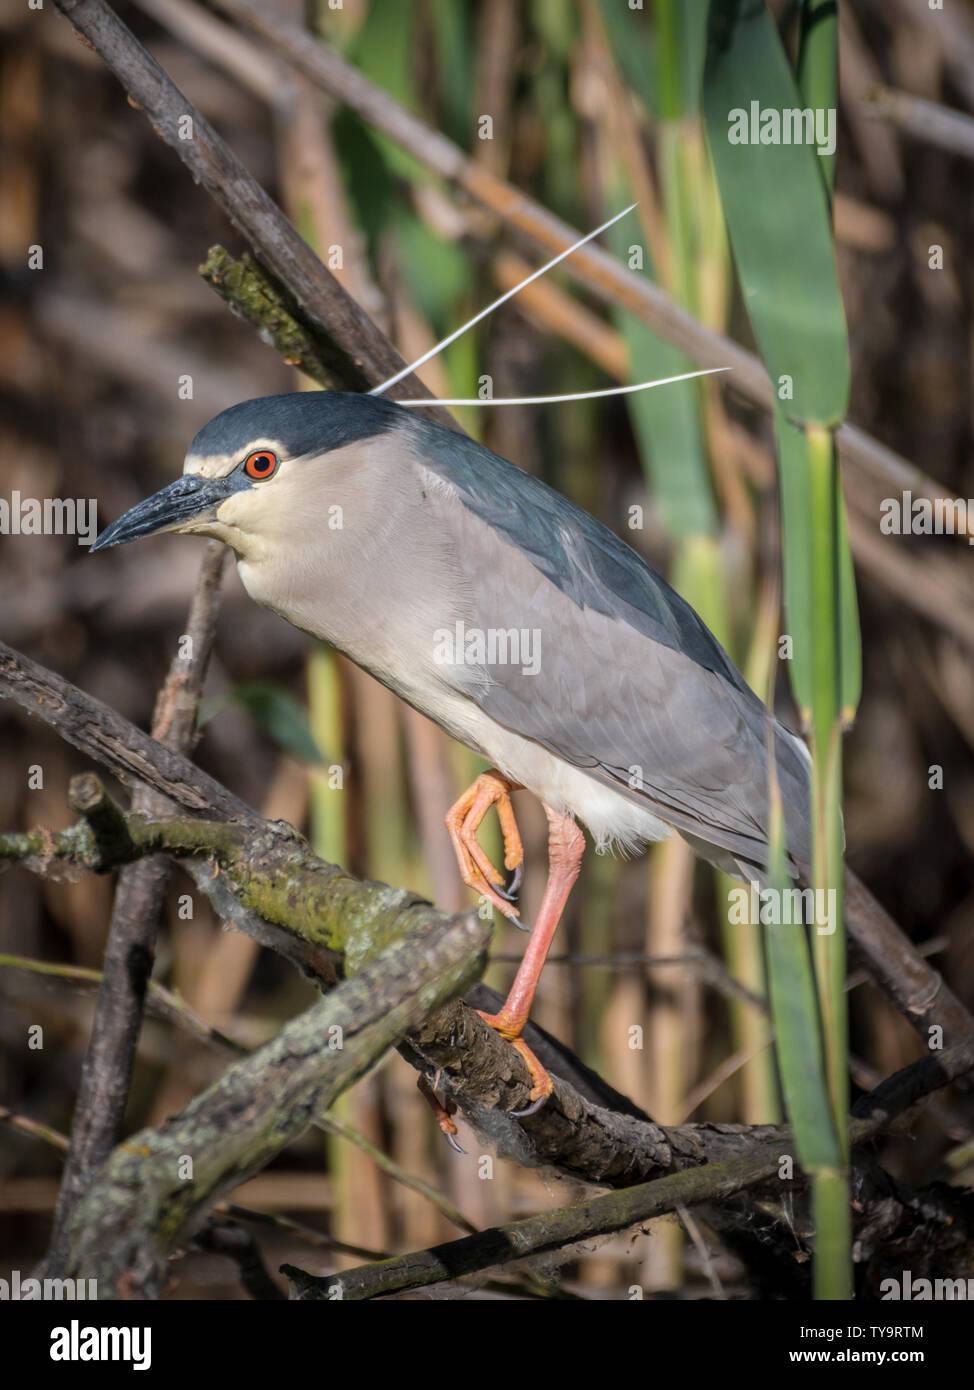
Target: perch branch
x,y
711,1183
322,919
585,1130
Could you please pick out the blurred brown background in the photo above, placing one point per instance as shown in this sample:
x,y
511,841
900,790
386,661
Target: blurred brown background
x,y
94,347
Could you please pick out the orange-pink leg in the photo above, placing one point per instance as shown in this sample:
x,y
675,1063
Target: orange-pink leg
x,y
463,821
566,845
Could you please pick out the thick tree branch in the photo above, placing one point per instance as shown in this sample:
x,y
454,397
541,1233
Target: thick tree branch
x,y
712,1183
325,921
586,1130
157,1187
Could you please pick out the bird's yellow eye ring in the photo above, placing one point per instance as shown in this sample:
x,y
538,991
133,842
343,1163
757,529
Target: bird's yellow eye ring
x,y
260,465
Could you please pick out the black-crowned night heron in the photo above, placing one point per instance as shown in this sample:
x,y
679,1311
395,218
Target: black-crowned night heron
x,y
509,616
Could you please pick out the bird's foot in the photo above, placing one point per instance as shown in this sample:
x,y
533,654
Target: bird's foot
x,y
542,1083
463,821
444,1112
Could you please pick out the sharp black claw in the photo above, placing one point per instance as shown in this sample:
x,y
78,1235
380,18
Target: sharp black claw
x,y
521,926
514,887
454,1143
532,1109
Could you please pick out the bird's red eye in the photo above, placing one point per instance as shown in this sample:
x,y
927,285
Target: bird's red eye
x,y
260,465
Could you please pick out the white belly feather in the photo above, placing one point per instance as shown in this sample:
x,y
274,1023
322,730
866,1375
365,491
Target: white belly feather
x,y
614,821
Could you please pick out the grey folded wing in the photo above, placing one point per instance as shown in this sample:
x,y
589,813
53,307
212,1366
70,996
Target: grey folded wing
x,y
631,686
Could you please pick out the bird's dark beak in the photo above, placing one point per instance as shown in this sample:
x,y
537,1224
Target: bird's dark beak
x,y
189,498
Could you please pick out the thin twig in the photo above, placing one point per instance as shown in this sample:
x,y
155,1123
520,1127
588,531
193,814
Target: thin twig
x,y
924,120
161,1003
702,1249
34,1128
131,755
332,1124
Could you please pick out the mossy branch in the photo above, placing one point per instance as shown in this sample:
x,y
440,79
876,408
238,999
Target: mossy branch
x,y
710,1183
271,870
159,1185
256,296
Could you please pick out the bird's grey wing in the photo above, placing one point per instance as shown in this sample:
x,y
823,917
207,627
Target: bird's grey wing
x,y
631,686
646,721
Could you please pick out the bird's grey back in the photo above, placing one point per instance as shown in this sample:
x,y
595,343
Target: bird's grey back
x,y
596,570
584,558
